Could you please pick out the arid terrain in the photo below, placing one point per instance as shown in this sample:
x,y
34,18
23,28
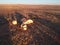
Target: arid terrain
x,y
44,31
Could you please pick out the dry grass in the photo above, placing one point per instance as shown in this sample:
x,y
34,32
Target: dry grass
x,y
44,31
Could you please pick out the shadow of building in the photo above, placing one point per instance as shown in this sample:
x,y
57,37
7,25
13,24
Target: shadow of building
x,y
4,32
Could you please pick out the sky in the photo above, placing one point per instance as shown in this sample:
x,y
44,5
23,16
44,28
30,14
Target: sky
x,y
53,2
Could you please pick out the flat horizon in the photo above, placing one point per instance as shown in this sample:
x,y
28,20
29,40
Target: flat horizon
x,y
31,2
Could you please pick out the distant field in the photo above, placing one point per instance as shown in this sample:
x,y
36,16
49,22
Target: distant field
x,y
44,31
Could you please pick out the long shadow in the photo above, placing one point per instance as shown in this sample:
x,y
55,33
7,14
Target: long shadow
x,y
5,38
19,16
49,24
54,26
